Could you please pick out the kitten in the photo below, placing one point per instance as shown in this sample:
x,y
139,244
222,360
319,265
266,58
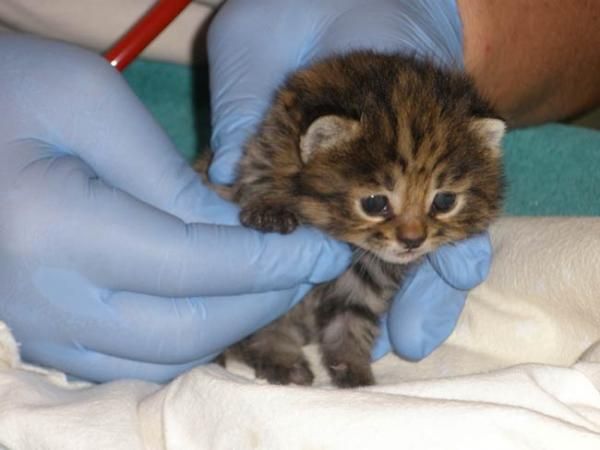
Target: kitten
x,y
389,153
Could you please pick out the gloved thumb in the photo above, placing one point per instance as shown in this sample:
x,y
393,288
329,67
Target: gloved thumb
x,y
423,315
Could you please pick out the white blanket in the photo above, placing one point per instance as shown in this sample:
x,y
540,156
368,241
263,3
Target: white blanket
x,y
521,371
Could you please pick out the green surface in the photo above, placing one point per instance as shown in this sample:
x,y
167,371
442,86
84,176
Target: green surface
x,y
178,97
551,170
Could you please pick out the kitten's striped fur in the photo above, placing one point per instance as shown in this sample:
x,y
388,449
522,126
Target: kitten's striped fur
x,y
344,130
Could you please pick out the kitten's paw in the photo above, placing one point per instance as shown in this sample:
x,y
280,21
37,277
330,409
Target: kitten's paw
x,y
269,218
299,373
351,375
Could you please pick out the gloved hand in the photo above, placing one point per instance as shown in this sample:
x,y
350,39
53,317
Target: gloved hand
x,y
425,310
252,46
111,264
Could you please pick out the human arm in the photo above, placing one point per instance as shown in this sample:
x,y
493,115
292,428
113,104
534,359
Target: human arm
x,y
537,61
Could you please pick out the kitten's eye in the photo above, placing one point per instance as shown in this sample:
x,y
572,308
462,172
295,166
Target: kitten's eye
x,y
375,205
443,202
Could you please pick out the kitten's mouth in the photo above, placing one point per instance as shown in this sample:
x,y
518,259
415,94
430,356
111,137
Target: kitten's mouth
x,y
401,257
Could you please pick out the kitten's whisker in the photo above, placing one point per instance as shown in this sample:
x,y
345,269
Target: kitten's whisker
x,y
358,253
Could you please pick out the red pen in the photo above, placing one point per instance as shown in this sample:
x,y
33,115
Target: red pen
x,y
144,32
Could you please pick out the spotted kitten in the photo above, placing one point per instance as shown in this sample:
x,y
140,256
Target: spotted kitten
x,y
386,152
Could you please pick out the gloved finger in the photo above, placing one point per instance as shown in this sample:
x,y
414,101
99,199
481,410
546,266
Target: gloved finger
x,y
94,366
464,264
419,328
246,65
78,222
87,109
177,330
423,314
156,329
426,28
382,345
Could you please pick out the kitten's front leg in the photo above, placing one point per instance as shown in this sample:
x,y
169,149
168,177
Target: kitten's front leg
x,y
275,353
347,334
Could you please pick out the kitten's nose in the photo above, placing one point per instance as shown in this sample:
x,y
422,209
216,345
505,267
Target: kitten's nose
x,y
411,234
412,243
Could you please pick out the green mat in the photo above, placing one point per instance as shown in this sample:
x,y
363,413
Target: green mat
x,y
551,170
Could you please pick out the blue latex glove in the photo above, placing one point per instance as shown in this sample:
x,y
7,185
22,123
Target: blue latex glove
x,y
111,264
426,309
254,44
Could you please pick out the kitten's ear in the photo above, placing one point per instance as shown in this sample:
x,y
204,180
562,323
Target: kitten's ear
x,y
325,133
491,131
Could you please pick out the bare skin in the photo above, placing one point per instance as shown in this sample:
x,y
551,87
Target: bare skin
x,y
538,60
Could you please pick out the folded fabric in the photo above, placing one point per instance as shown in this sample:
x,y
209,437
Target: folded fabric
x,y
522,370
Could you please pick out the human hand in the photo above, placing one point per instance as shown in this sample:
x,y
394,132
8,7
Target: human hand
x,y
253,46
116,261
426,309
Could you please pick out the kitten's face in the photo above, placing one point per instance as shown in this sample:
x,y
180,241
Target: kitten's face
x,y
401,188
391,154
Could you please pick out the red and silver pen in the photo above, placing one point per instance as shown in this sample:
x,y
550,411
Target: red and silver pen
x,y
144,32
